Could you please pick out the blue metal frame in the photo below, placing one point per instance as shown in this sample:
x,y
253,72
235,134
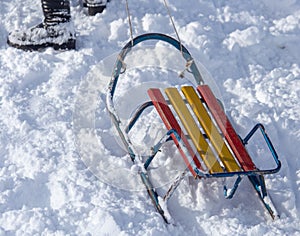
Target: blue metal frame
x,y
137,115
146,37
118,69
200,173
255,176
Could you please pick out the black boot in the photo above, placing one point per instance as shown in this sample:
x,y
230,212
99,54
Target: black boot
x,y
95,6
56,31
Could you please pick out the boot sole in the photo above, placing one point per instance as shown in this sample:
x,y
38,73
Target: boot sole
x,y
71,44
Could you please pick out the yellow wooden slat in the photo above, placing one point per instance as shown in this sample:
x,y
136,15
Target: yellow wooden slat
x,y
210,129
192,129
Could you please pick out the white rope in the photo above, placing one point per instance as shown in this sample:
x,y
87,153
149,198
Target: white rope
x,y
129,22
188,63
174,27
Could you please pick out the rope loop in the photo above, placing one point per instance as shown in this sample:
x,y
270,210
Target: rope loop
x,y
187,68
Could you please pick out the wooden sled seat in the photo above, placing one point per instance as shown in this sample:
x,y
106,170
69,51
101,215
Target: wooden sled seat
x,y
207,140
215,140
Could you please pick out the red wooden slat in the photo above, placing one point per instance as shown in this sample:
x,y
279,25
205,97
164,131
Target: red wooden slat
x,y
225,126
171,123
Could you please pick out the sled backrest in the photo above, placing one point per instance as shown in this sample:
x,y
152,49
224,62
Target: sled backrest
x,y
207,126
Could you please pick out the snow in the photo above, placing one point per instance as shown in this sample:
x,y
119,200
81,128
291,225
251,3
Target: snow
x,y
63,170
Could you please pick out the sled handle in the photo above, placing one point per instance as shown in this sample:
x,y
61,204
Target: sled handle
x,y
118,68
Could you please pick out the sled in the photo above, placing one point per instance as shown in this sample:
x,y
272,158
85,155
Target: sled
x,y
195,121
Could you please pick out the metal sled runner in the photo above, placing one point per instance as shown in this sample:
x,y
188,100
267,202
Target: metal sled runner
x,y
198,126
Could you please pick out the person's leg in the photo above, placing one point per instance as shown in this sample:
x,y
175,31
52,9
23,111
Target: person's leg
x,y
56,30
95,6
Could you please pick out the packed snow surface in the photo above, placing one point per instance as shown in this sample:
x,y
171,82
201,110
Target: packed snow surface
x,y
63,170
